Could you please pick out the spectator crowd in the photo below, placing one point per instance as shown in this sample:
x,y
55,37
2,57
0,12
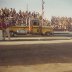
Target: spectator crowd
x,y
10,17
62,23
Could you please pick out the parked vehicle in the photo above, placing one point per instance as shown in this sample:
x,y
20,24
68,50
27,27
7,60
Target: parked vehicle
x,y
33,28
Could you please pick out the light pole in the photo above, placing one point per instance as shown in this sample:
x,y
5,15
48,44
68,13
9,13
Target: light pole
x,y
41,24
26,21
42,11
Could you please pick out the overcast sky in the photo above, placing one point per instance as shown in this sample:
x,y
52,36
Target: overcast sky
x,y
52,7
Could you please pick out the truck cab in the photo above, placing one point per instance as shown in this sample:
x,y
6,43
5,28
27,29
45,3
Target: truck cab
x,y
38,29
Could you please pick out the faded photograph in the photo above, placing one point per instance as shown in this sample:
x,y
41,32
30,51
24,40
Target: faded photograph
x,y
35,35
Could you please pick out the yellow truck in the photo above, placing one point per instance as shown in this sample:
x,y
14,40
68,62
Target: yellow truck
x,y
34,28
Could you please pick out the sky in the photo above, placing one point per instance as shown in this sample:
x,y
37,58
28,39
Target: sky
x,y
51,7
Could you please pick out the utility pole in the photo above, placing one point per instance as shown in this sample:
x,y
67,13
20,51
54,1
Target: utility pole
x,y
27,15
42,11
27,7
41,24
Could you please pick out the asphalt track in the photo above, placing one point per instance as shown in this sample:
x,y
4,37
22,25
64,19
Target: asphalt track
x,y
34,53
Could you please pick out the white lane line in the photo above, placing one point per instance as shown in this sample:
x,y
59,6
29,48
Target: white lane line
x,y
35,42
41,38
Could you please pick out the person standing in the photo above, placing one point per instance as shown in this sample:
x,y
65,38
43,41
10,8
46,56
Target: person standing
x,y
3,28
6,22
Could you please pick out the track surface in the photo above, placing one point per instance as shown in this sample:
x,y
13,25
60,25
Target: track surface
x,y
36,58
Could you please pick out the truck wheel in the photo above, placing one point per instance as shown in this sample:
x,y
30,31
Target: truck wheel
x,y
48,33
12,34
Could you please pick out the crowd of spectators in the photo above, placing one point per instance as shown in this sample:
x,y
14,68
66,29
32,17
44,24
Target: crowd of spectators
x,y
62,23
11,17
